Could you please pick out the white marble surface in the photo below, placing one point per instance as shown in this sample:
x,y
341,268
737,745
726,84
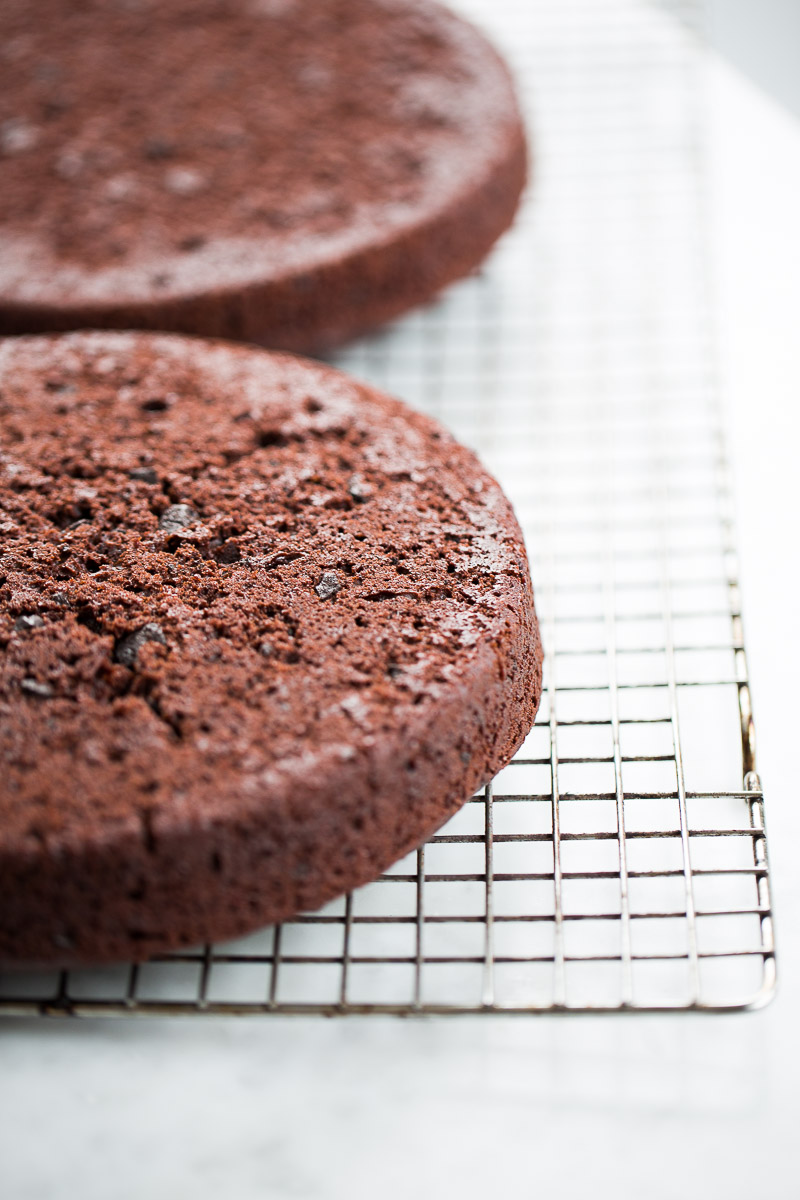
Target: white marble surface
x,y
556,1107
561,1107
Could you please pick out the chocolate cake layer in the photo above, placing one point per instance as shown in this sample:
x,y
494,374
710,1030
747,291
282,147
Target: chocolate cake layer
x,y
288,172
262,631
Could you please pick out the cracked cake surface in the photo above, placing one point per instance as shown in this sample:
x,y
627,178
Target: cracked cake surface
x,y
281,171
263,629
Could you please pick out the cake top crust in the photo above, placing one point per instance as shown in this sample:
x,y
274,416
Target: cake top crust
x,y
224,571
153,149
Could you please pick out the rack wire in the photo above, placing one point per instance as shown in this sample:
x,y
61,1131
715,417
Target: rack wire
x,y
620,861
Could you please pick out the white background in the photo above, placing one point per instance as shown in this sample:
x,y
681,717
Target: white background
x,y
561,1107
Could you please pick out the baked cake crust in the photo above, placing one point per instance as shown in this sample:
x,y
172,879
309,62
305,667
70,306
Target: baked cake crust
x,y
288,172
263,630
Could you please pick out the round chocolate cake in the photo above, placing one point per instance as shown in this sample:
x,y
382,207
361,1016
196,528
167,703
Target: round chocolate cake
x,y
288,172
263,630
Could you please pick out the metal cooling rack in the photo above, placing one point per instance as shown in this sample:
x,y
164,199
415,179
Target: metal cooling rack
x,y
620,862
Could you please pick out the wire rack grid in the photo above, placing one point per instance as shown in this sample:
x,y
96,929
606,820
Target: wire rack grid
x,y
620,861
